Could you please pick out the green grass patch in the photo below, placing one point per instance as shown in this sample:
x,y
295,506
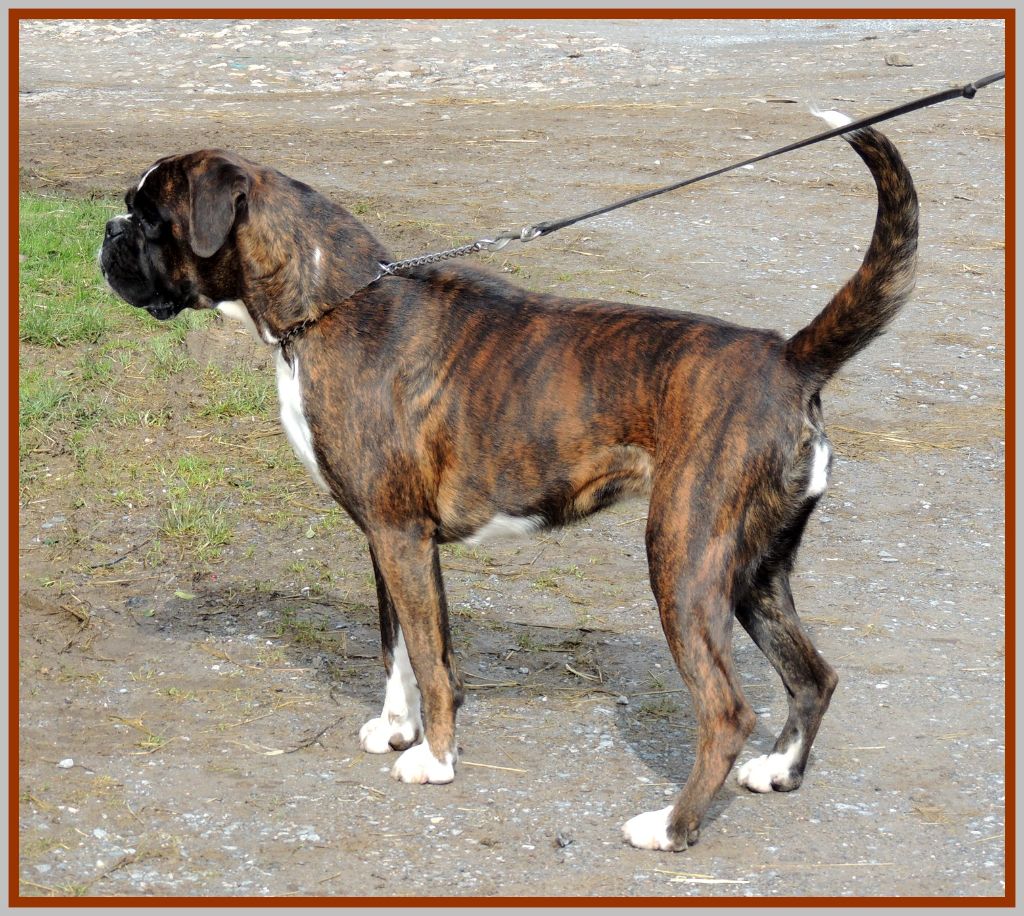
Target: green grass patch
x,y
60,290
63,299
64,305
241,392
117,417
54,409
192,519
200,529
196,472
309,633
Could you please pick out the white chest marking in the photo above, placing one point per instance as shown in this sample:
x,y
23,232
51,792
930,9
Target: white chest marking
x,y
293,418
289,392
235,309
502,525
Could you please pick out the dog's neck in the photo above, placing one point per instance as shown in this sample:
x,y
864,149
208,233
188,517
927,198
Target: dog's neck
x,y
285,294
283,337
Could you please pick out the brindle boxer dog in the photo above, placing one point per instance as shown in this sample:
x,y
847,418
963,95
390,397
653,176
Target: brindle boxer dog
x,y
449,405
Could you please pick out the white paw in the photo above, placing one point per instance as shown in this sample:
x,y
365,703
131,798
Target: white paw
x,y
419,765
649,830
759,774
378,735
375,736
756,774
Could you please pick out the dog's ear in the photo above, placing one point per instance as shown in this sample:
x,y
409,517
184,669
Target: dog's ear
x,y
215,196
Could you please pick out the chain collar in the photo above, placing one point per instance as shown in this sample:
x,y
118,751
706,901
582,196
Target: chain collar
x,y
296,331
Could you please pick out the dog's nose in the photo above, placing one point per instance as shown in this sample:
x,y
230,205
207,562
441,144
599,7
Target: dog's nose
x,y
116,227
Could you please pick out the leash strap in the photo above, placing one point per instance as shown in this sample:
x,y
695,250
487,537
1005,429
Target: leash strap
x,y
529,233
967,92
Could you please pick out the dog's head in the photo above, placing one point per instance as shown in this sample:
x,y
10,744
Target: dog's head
x,y
173,249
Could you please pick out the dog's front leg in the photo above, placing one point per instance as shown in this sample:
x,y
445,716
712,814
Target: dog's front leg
x,y
399,725
407,563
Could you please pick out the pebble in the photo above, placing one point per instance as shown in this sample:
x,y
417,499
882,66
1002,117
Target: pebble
x,y
896,59
66,764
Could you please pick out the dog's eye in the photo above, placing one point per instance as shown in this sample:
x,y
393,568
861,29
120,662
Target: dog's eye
x,y
152,228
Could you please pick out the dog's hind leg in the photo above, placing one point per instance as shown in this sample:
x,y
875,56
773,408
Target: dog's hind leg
x,y
399,725
768,615
691,577
410,573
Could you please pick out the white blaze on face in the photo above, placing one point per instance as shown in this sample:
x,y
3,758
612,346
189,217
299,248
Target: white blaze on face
x,y
151,170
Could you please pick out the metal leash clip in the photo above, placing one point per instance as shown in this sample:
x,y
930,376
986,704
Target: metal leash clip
x,y
526,234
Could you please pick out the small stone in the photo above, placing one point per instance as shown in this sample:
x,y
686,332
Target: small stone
x,y
622,701
896,59
66,764
562,839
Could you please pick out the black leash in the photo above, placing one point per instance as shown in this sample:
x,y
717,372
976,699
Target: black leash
x,y
529,233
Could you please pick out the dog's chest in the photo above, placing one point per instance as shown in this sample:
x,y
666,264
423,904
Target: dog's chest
x,y
289,393
293,416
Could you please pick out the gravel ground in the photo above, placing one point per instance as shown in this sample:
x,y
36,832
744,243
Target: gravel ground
x,y
440,131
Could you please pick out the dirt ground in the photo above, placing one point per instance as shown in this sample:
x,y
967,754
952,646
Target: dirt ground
x,y
210,710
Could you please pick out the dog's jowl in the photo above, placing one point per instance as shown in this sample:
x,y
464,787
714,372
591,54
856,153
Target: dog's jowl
x,y
449,405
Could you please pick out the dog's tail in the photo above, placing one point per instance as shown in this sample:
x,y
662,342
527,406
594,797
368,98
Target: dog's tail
x,y
870,299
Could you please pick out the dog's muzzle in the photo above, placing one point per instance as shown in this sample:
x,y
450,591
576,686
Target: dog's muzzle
x,y
129,272
116,227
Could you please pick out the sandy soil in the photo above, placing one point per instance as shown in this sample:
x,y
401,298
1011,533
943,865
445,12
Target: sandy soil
x,y
210,711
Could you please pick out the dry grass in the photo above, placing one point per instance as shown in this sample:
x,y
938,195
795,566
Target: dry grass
x,y
864,443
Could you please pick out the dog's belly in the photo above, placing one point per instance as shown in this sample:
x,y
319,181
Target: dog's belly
x,y
476,508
